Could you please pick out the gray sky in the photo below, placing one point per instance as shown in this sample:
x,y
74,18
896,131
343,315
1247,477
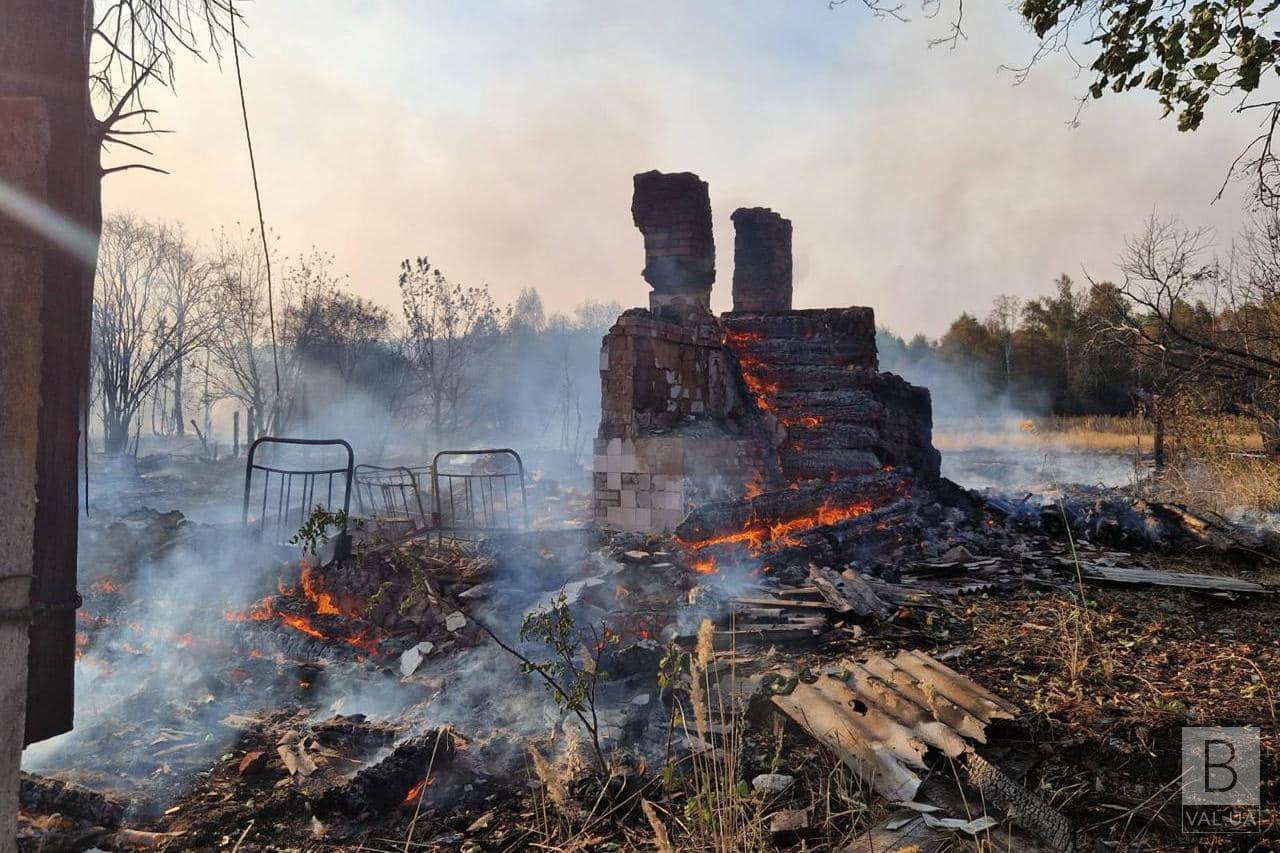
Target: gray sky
x,y
499,139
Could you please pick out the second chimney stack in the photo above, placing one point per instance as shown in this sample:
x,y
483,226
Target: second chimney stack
x,y
761,260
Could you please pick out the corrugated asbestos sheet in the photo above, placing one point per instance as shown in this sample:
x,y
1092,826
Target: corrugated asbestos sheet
x,y
880,716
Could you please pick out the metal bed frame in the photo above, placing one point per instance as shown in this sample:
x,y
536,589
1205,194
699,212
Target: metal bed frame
x,y
282,516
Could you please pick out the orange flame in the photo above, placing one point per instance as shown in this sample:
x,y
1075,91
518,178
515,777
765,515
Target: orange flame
x,y
364,642
106,585
758,387
810,421
705,566
417,789
313,593
300,623
785,532
260,612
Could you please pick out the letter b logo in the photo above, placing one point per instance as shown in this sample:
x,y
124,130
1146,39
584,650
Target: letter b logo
x,y
1220,766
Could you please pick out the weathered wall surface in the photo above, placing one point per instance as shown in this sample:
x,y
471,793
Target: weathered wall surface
x,y
832,415
673,212
761,260
656,374
651,482
24,145
671,427
696,408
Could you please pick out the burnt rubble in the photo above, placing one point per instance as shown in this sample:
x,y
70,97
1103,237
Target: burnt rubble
x,y
696,408
765,500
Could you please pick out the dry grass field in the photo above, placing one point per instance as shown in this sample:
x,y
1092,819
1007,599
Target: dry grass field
x,y
1213,462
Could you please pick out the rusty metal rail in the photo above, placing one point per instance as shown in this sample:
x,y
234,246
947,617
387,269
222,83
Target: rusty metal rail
x,y
480,500
394,495
292,484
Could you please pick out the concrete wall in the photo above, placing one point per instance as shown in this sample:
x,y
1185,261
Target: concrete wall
x,y
24,145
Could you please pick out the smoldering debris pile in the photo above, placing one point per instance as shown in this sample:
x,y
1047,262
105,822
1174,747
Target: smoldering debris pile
x,y
771,529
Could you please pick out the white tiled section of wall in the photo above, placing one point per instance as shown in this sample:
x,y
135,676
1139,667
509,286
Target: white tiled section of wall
x,y
629,496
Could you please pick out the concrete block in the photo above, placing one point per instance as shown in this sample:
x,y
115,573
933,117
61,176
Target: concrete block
x,y
628,499
613,480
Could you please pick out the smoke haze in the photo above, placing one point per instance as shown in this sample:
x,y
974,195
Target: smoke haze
x,y
501,141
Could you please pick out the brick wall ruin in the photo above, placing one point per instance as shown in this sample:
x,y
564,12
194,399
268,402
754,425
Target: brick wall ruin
x,y
673,212
761,260
697,408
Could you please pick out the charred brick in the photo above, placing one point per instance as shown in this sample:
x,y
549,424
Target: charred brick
x,y
673,212
761,260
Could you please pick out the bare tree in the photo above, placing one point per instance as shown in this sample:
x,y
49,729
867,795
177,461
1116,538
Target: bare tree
x,y
143,325
451,333
188,280
569,407
242,346
1160,311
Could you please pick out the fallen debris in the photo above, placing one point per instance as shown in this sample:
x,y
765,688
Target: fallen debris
x,y
880,716
1033,813
1212,584
847,592
772,783
413,657
38,794
789,821
399,776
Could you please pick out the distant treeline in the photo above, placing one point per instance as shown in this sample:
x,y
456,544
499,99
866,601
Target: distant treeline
x,y
1057,354
1183,331
181,327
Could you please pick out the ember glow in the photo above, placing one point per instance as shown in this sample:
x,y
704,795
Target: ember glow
x,y
311,589
759,388
751,368
704,566
264,610
417,789
754,536
260,612
301,623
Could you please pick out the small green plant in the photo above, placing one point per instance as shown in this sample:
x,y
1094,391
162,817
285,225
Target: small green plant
x,y
315,529
573,671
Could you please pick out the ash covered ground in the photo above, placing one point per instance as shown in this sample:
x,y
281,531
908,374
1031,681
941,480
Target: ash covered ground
x,y
238,696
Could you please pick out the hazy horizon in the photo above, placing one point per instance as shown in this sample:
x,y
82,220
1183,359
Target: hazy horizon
x,y
500,141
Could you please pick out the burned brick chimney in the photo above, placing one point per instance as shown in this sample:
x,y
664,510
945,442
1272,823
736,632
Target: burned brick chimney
x,y
696,408
673,212
761,260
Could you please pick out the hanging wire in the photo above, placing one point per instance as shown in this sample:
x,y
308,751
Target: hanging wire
x,y
257,195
